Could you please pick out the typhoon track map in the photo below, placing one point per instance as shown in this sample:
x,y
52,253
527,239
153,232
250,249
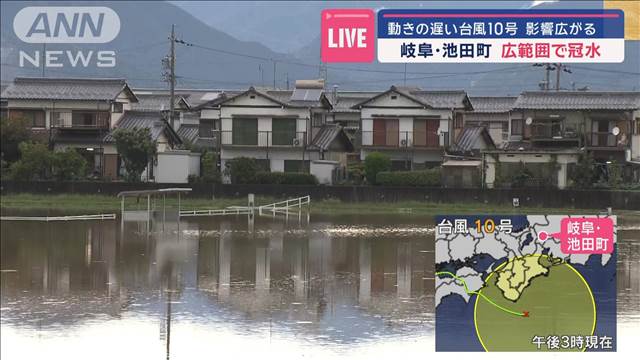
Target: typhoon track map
x,y
525,283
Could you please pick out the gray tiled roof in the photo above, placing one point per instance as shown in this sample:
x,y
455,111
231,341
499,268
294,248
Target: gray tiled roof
x,y
439,99
442,99
157,102
137,119
578,100
346,100
467,139
64,89
492,104
326,135
188,132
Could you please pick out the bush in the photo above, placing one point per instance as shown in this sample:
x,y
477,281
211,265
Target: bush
x,y
583,174
34,164
243,170
12,133
210,171
282,178
137,149
375,163
68,165
429,177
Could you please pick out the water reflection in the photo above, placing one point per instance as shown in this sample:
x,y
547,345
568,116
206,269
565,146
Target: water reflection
x,y
333,281
328,286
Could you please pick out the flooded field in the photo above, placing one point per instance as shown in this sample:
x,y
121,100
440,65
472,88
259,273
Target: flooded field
x,y
317,287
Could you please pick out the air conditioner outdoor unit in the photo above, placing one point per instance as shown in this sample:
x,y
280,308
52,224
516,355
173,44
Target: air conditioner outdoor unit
x,y
295,142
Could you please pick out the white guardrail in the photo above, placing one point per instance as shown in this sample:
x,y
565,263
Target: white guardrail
x,y
246,210
59,218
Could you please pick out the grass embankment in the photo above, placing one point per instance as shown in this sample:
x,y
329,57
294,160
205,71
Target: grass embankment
x,y
88,204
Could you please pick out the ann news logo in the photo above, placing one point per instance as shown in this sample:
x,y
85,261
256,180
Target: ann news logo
x,y
348,35
66,25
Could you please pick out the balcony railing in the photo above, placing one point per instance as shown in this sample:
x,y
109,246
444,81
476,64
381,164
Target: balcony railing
x,y
293,139
94,124
404,139
606,140
552,131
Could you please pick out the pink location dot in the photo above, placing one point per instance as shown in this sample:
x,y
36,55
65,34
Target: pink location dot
x,y
542,235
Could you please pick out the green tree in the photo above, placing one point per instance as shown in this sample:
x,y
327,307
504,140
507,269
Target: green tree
x,y
210,171
34,163
615,176
68,165
375,163
136,148
243,170
583,174
12,133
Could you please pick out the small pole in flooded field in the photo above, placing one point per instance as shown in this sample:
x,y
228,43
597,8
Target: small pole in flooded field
x,y
251,201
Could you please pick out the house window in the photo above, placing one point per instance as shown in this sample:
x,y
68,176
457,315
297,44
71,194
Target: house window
x,y
516,127
458,122
205,129
637,127
118,107
36,117
318,119
283,131
425,132
245,131
505,131
90,119
385,132
296,166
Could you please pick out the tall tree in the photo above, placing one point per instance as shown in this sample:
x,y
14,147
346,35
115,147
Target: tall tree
x,y
137,150
13,131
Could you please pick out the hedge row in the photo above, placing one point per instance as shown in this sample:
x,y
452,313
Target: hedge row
x,y
409,178
282,178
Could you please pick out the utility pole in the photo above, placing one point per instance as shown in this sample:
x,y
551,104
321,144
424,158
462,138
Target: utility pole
x,y
547,70
405,75
560,68
44,50
286,75
172,79
274,74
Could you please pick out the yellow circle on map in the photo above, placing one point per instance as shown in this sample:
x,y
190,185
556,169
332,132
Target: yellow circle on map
x,y
501,331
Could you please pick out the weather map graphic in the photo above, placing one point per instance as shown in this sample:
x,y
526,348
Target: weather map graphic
x,y
525,283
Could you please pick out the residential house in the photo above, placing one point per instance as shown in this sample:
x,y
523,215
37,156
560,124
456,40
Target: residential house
x,y
549,130
284,130
73,112
411,125
492,112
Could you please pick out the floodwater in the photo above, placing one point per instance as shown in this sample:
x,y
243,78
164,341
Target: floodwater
x,y
315,286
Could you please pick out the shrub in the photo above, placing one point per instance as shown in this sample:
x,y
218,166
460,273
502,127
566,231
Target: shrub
x,y
355,173
210,171
136,148
375,163
583,174
429,177
242,170
34,163
282,178
68,165
12,133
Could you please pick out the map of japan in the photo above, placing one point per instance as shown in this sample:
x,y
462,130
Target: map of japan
x,y
504,281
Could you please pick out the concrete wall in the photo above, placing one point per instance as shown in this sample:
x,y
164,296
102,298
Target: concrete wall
x,y
323,170
562,159
176,166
